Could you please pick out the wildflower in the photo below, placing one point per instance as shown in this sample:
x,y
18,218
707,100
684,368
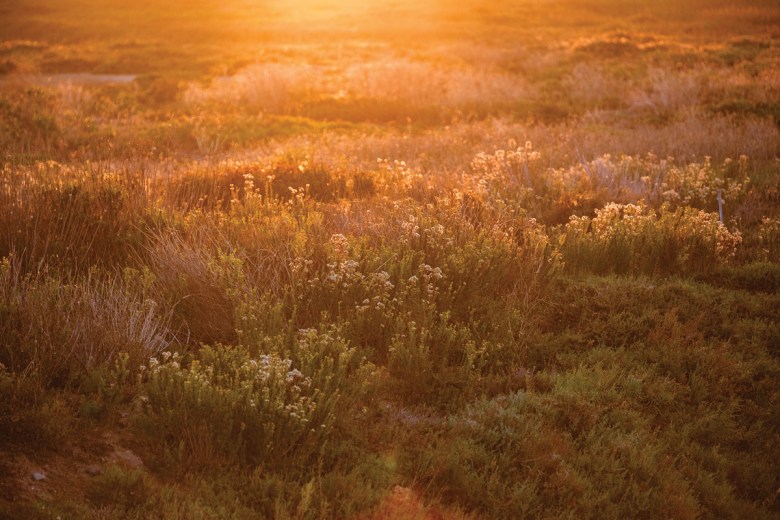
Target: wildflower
x,y
293,375
340,245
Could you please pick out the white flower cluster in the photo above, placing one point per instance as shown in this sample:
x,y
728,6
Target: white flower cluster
x,y
411,230
267,384
503,164
638,224
340,246
344,273
698,183
427,276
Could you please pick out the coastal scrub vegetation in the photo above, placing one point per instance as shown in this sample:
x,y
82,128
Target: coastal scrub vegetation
x,y
388,260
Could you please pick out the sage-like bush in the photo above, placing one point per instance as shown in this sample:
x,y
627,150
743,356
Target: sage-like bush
x,y
633,238
226,405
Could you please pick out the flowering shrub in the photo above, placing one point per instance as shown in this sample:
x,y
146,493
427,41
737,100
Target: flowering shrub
x,y
503,165
632,238
628,179
769,238
624,178
505,177
398,178
228,405
697,184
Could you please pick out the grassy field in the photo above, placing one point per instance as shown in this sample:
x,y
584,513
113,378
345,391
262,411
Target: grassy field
x,y
389,259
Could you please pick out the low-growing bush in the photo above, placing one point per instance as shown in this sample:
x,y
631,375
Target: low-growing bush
x,y
225,405
756,276
633,238
121,490
587,447
27,122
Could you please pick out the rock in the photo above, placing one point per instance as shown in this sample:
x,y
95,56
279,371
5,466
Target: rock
x,y
93,470
38,476
129,459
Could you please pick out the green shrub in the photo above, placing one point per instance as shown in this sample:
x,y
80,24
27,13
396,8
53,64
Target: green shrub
x,y
588,447
434,360
262,410
28,123
634,239
769,238
120,489
755,276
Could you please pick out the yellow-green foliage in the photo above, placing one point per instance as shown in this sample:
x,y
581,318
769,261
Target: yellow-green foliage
x,y
699,184
769,238
644,414
227,405
633,238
